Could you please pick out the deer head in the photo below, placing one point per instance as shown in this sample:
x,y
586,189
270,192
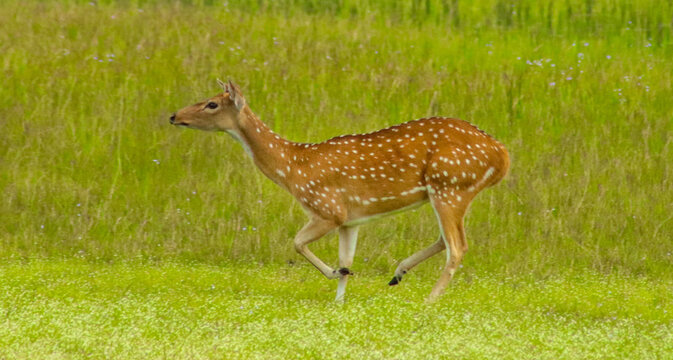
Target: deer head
x,y
219,113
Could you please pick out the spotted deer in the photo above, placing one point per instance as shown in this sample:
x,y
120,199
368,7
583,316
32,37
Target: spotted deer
x,y
349,180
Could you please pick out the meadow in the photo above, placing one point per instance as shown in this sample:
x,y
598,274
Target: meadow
x,y
124,236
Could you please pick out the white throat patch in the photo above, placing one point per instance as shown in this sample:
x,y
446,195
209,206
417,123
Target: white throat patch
x,y
238,138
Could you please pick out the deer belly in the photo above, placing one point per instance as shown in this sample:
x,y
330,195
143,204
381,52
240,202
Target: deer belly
x,y
373,208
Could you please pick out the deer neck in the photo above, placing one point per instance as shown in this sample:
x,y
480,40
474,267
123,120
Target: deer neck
x,y
269,151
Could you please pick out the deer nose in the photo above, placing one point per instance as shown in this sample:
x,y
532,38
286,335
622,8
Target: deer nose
x,y
173,119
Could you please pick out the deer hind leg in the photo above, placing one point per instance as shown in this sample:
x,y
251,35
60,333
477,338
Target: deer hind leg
x,y
312,231
416,259
347,242
450,220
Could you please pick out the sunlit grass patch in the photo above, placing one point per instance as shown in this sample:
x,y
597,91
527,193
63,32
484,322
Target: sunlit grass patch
x,y
91,167
132,310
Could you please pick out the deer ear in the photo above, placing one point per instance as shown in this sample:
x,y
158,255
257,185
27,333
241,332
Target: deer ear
x,y
222,85
235,95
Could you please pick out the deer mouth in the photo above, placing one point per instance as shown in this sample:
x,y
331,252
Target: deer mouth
x,y
176,123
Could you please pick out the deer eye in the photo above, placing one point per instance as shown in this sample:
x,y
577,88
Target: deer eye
x,y
211,105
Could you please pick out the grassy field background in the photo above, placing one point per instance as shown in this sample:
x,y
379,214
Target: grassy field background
x,y
93,176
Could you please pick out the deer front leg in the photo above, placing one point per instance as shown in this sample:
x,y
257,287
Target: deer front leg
x,y
347,241
314,230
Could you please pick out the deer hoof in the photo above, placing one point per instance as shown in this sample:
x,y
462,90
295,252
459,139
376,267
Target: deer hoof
x,y
396,280
345,271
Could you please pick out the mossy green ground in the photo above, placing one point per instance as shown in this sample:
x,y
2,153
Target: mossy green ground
x,y
78,309
570,256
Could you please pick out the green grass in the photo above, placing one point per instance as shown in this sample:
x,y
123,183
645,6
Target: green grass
x,y
76,309
90,166
570,255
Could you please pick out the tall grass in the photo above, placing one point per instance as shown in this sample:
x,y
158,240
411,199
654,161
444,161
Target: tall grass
x,y
578,91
